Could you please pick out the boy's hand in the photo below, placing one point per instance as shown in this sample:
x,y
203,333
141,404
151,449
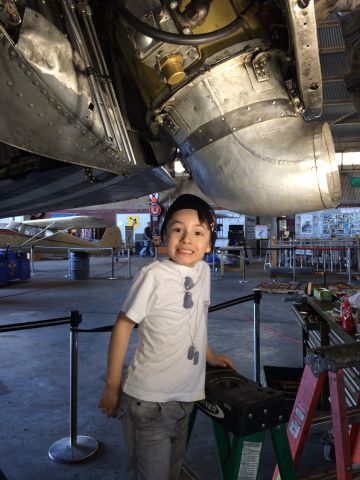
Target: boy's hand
x,y
221,361
218,360
109,401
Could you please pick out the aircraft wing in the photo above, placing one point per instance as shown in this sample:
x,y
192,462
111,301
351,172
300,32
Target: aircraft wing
x,y
66,186
62,223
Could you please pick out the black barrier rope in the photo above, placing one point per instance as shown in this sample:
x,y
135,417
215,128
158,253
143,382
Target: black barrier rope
x,y
74,448
256,296
230,303
37,324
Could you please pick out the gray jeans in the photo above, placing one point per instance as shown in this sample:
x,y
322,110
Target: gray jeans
x,y
155,437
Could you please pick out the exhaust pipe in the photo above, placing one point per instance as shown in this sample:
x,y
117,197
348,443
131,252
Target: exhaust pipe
x,y
246,144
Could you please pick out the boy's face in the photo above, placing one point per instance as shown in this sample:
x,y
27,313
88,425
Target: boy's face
x,y
187,239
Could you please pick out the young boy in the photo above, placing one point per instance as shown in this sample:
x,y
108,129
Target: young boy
x,y
169,301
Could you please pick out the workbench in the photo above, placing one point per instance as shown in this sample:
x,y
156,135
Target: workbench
x,y
320,328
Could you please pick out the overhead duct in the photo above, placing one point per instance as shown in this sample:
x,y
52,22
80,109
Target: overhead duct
x,y
247,146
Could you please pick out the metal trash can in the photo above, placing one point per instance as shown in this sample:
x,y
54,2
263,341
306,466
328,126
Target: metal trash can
x,y
79,265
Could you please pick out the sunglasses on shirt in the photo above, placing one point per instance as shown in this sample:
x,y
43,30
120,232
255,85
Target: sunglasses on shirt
x,y
188,285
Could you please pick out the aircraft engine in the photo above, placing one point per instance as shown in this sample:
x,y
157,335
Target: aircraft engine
x,y
240,106
123,87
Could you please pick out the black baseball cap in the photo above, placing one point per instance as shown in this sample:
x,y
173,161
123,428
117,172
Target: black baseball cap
x,y
188,201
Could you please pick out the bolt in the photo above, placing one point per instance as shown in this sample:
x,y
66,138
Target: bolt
x,y
186,31
174,5
303,3
265,411
193,54
263,426
250,416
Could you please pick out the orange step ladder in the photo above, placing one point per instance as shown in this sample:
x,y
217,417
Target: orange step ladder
x,y
322,363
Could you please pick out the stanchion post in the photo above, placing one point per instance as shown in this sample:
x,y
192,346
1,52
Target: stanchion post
x,y
156,252
76,447
257,298
75,320
32,271
348,264
243,256
294,263
260,249
129,265
213,264
69,262
221,263
112,264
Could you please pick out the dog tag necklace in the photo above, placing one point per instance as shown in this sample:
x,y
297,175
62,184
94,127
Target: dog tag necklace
x,y
192,353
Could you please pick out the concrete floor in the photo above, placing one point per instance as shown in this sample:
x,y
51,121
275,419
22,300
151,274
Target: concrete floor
x,y
34,378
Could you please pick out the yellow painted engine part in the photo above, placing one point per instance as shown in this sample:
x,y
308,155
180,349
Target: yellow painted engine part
x,y
221,13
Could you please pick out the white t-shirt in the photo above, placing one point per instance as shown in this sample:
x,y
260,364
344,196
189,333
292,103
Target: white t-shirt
x,y
160,370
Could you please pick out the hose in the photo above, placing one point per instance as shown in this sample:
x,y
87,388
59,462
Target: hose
x,y
174,38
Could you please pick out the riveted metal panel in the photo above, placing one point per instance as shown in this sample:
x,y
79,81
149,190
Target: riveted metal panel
x,y
45,102
303,31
